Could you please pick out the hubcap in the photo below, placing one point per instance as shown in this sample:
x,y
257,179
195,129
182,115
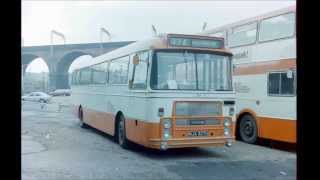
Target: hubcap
x,y
248,128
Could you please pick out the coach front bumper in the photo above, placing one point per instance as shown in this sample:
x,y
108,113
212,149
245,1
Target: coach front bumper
x,y
191,142
178,135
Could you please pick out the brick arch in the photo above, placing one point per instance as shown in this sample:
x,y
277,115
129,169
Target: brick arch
x,y
62,80
26,59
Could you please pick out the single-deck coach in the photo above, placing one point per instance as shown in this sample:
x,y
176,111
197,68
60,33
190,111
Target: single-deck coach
x,y
170,91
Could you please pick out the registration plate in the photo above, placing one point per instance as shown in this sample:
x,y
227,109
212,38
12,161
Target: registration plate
x,y
198,133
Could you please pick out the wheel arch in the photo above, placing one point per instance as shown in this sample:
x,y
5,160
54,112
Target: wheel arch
x,y
243,113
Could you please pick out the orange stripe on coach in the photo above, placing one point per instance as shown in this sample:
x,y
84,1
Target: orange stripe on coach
x,y
264,67
277,129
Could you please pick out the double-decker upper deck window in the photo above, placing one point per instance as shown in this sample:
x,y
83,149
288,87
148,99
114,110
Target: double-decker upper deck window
x,y
118,71
196,43
277,27
242,35
218,34
281,83
99,73
221,34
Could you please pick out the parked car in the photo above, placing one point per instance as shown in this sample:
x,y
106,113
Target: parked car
x,y
37,97
61,92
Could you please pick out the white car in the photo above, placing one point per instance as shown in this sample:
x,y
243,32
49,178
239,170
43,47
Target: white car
x,y
37,97
61,92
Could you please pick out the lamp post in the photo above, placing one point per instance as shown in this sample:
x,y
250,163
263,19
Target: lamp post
x,y
43,82
53,32
204,26
154,30
103,30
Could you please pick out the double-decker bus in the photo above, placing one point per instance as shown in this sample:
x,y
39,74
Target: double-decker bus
x,y
264,49
170,91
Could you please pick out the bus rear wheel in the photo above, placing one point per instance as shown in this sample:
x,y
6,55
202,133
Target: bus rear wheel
x,y
121,133
248,129
82,123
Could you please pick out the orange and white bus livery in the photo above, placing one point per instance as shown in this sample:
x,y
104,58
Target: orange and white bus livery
x,y
171,91
264,49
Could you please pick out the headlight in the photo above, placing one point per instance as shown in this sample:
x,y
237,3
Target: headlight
x,y
167,124
226,131
231,111
166,128
227,122
166,133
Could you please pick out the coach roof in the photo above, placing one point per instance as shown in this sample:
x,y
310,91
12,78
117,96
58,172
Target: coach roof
x,y
158,42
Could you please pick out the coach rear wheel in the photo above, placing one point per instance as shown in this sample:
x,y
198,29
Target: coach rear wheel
x,y
248,129
82,124
122,139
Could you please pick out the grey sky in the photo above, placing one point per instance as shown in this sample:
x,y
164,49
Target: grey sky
x,y
80,21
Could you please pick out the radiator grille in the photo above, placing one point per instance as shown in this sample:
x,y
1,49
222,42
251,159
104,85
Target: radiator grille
x,y
198,108
192,122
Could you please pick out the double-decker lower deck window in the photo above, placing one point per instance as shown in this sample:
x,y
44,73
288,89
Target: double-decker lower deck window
x,y
281,83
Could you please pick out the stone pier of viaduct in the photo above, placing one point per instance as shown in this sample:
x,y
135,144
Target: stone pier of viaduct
x,y
59,58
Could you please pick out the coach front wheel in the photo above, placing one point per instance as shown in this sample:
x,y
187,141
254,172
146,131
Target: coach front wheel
x,y
122,139
80,114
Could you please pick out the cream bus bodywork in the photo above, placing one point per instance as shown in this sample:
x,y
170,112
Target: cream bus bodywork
x,y
102,104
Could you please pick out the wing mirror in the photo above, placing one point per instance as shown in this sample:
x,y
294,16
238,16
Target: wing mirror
x,y
136,59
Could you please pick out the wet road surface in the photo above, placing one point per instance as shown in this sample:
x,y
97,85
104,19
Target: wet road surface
x,y
55,147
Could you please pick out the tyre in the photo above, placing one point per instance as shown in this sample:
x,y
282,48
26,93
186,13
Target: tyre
x,y
82,123
42,101
248,130
121,133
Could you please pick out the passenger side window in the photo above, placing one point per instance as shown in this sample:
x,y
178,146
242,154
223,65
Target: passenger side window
x,y
77,77
282,83
118,71
99,73
140,71
85,77
242,35
74,78
277,27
